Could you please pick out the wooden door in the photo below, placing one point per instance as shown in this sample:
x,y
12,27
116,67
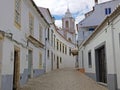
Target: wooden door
x,y
16,72
101,65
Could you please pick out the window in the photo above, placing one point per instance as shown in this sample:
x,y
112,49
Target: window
x,y
60,60
54,41
69,39
48,55
89,59
52,56
48,34
40,60
31,23
57,44
52,37
107,11
91,29
60,46
65,49
70,51
18,13
40,33
67,24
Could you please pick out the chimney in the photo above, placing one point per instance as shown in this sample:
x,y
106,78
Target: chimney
x,y
96,2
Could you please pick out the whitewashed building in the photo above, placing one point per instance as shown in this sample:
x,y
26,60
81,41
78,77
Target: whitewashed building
x,y
58,48
68,27
94,17
99,54
30,44
22,41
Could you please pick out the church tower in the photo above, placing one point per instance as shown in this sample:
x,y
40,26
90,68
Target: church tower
x,y
68,26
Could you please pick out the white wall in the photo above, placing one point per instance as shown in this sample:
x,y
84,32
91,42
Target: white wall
x,y
104,36
67,60
116,30
95,18
7,25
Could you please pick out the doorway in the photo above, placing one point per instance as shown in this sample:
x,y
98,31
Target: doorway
x,y
16,71
30,64
57,62
101,71
52,61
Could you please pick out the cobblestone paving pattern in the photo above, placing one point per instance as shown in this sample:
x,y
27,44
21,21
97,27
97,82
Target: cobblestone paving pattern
x,y
63,79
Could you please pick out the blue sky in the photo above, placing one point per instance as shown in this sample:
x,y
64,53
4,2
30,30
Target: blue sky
x,y
58,8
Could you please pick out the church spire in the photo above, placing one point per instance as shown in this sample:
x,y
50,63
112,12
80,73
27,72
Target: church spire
x,y
68,14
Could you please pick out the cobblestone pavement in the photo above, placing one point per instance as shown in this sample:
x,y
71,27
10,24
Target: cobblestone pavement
x,y
63,79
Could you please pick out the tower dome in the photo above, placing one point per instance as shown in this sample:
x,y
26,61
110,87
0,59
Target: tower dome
x,y
68,14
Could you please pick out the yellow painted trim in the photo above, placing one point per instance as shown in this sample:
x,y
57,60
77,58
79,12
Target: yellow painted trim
x,y
16,48
32,18
1,36
17,25
29,48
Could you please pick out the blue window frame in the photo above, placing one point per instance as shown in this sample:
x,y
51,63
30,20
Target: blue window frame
x,y
91,29
107,11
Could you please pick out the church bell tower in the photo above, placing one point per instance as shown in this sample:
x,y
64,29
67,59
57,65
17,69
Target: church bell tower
x,y
68,25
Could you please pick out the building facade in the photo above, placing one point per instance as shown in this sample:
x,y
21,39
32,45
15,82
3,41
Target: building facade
x,y
30,44
58,48
22,43
99,54
68,27
94,17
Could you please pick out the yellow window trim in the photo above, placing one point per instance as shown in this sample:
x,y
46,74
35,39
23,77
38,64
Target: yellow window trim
x,y
31,17
1,36
17,25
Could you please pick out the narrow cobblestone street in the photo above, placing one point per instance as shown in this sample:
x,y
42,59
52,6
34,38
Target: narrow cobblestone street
x,y
63,79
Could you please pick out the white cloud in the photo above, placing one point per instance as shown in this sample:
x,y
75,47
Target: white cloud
x,y
59,7
58,23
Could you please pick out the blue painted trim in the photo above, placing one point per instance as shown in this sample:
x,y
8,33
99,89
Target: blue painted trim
x,y
7,82
24,77
91,75
38,72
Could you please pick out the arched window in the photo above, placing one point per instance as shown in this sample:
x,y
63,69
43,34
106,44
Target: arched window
x,y
69,39
67,24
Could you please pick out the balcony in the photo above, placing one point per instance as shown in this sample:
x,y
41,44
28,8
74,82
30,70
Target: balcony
x,y
74,51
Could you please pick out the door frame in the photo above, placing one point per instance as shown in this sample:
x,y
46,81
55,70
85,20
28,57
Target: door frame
x,y
16,68
101,64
